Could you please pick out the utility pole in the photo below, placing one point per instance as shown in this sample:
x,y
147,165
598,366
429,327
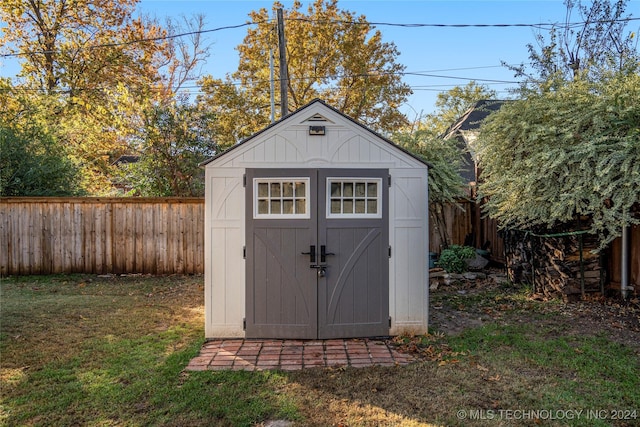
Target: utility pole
x,y
284,77
271,86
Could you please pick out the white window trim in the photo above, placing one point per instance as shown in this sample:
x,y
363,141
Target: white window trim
x,y
257,181
330,215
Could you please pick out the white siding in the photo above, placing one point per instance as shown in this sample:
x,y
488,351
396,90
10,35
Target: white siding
x,y
224,262
408,235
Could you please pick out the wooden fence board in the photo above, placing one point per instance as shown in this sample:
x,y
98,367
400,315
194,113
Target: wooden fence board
x,y
4,244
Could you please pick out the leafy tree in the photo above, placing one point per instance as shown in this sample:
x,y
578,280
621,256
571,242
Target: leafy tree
x,y
556,155
600,42
104,68
445,182
331,53
174,141
80,46
33,163
82,54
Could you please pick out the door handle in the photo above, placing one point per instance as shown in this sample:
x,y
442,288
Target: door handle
x,y
324,254
311,253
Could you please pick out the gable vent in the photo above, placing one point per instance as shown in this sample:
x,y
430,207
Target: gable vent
x,y
317,118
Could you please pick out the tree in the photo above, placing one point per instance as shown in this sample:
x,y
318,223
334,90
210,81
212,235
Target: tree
x,y
445,182
331,54
79,47
561,154
174,141
33,163
599,42
104,68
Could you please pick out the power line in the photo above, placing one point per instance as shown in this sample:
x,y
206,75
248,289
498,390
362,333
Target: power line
x,y
338,76
145,40
538,26
391,24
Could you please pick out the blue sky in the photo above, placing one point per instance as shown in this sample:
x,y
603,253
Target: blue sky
x,y
440,51
464,53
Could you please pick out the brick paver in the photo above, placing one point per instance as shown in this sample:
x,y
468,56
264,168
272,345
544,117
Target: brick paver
x,y
289,355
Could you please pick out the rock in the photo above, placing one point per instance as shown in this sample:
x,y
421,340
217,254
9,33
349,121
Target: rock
x,y
477,263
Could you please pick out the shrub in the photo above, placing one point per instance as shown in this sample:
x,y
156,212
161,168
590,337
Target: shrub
x,y
453,259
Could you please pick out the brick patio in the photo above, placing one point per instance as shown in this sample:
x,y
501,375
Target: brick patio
x,y
289,355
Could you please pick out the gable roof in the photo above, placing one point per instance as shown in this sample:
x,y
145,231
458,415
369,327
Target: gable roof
x,y
473,117
299,111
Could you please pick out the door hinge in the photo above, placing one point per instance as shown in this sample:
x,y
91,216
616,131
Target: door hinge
x,y
389,321
244,180
244,323
389,251
389,177
244,252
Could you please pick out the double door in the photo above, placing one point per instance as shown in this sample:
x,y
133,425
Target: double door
x,y
317,254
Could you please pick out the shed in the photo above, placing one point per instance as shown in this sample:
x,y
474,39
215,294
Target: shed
x,y
316,227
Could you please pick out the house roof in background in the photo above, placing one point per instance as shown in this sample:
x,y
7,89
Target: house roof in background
x,y
473,117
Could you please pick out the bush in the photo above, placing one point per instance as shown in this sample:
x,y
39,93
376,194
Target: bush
x,y
453,259
35,164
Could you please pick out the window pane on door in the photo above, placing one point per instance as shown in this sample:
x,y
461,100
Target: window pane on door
x,y
276,198
354,197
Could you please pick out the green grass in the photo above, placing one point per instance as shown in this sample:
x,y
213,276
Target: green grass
x,y
587,372
84,350
112,352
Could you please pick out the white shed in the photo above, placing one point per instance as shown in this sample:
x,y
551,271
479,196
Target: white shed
x,y
316,227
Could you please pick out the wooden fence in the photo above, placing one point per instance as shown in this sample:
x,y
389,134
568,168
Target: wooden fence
x,y
101,235
463,224
166,236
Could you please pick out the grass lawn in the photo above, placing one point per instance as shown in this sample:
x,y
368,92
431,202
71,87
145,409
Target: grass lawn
x,y
111,351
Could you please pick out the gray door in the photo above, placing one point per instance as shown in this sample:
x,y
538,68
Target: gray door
x,y
317,253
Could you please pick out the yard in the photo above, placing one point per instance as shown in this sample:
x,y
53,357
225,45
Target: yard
x,y
103,351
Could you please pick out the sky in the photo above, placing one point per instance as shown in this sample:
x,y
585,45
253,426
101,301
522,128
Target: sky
x,y
451,56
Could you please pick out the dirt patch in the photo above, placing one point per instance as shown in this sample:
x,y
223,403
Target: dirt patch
x,y
466,304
